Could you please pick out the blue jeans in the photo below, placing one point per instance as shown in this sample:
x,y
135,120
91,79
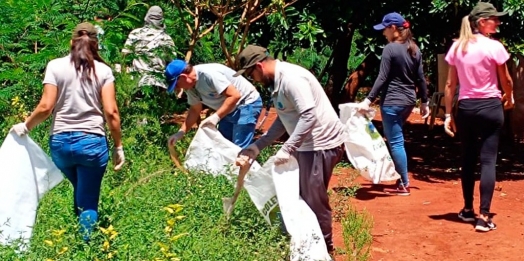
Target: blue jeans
x,y
82,157
393,118
239,125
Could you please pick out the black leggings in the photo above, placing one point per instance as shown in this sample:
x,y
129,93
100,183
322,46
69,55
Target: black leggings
x,y
479,122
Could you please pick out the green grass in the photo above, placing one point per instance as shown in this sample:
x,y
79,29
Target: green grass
x,y
356,232
133,202
135,209
135,218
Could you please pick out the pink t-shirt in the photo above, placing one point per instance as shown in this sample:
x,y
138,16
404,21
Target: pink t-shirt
x,y
477,68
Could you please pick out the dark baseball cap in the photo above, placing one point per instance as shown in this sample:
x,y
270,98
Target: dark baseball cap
x,y
173,71
484,10
88,28
251,55
391,19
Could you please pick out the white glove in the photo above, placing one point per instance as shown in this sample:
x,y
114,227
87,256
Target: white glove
x,y
424,110
175,137
363,106
118,158
20,129
210,121
281,157
251,151
449,125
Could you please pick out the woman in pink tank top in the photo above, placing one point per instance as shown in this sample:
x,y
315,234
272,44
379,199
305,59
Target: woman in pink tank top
x,y
477,62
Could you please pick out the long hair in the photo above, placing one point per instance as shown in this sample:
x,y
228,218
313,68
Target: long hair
x,y
407,37
84,53
466,34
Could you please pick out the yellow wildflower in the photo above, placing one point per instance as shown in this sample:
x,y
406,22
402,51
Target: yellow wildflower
x,y
106,245
63,250
179,236
58,233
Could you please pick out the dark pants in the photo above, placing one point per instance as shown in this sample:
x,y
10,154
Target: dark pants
x,y
479,122
316,168
83,158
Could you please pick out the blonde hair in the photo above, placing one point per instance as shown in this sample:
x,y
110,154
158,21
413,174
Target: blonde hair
x,y
466,34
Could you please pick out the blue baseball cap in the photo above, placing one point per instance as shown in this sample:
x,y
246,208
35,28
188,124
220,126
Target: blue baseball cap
x,y
173,71
389,20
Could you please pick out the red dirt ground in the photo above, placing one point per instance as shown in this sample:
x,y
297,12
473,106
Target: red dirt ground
x,y
424,225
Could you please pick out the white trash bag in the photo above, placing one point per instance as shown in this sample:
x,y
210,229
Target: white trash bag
x,y
27,173
365,147
307,240
211,153
271,188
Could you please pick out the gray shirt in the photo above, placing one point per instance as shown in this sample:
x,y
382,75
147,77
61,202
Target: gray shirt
x,y
400,73
79,103
304,112
212,80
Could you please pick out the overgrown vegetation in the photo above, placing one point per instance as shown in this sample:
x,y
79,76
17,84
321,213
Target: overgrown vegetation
x,y
140,215
356,232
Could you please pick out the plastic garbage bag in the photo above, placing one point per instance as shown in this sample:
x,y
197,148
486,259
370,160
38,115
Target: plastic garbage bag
x,y
307,240
272,189
365,147
26,175
213,154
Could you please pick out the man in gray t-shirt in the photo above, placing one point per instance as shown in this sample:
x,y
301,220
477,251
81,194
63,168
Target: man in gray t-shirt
x,y
305,113
236,101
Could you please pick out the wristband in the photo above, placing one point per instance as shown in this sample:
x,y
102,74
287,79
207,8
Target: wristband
x,y
447,115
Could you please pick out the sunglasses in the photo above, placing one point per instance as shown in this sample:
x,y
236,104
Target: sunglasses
x,y
249,72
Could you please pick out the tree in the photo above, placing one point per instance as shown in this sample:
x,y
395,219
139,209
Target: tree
x,y
228,16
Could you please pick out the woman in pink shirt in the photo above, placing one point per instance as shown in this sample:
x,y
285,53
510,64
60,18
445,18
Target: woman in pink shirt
x,y
477,62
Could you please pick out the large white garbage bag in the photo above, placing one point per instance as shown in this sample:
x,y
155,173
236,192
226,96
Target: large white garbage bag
x,y
26,174
210,152
271,188
307,240
365,147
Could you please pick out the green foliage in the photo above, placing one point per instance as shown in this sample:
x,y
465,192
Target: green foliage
x,y
137,205
356,232
136,223
300,28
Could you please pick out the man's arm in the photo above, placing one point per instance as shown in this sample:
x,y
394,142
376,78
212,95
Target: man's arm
x,y
276,130
302,96
192,117
222,85
232,97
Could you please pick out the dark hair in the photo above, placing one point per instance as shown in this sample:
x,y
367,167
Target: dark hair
x,y
268,58
84,52
188,69
407,36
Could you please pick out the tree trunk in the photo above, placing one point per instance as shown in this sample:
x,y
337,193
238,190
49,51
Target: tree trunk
x,y
339,69
190,49
354,81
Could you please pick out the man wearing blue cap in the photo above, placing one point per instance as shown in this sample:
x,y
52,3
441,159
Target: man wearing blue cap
x,y
236,101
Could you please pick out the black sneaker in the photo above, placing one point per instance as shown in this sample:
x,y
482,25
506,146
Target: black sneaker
x,y
483,226
467,216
